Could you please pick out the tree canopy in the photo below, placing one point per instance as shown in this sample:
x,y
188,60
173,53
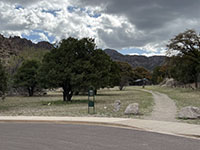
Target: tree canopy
x,y
75,65
142,73
159,73
126,74
3,79
185,62
27,76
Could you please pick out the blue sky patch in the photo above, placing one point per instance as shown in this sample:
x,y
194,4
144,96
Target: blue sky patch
x,y
53,12
93,14
34,36
72,9
131,51
19,7
137,51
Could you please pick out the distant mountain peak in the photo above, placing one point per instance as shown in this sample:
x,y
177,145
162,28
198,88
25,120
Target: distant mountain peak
x,y
137,60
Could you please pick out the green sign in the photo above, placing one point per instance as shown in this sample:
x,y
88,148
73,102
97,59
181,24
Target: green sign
x,y
91,100
91,104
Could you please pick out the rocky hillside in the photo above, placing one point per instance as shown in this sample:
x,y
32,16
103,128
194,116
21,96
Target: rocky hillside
x,y
13,45
134,60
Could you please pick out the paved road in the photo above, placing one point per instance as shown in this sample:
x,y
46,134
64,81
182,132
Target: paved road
x,y
44,136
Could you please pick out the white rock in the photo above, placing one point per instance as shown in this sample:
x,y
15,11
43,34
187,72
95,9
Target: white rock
x,y
189,112
132,109
116,105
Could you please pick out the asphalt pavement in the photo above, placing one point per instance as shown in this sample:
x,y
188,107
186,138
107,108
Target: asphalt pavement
x,y
62,136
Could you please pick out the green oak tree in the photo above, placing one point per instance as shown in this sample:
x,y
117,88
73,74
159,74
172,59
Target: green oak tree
x,y
27,76
159,73
105,72
184,50
142,73
126,74
74,65
3,79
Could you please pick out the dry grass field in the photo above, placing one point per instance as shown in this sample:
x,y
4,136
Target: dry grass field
x,y
52,104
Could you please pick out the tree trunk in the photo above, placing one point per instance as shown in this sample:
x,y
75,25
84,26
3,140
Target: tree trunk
x,y
196,84
95,92
64,96
67,93
30,91
121,87
196,80
69,96
76,93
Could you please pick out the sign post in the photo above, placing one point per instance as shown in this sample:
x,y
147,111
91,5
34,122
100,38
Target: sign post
x,y
91,100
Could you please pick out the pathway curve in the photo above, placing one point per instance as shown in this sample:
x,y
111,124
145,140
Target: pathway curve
x,y
164,108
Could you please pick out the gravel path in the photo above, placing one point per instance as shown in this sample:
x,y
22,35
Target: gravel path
x,y
164,108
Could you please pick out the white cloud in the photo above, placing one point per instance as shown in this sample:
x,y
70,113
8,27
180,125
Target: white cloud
x,y
120,25
149,54
43,37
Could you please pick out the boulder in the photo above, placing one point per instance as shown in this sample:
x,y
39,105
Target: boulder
x,y
189,112
116,105
169,82
132,109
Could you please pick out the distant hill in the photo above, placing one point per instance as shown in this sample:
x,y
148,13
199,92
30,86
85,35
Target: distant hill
x,y
13,45
137,60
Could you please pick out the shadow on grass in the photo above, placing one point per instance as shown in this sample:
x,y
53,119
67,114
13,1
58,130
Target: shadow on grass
x,y
108,94
61,102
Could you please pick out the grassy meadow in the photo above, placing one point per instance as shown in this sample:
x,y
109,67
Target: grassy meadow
x,y
52,104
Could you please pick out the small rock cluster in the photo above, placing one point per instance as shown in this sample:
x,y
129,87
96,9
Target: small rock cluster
x,y
131,109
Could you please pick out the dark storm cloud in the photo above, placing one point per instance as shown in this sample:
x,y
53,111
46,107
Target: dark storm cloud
x,y
21,2
150,14
157,20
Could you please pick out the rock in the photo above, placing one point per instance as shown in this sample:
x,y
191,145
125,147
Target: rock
x,y
116,105
189,112
132,109
169,83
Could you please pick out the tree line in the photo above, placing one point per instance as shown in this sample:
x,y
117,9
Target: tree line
x,y
183,59
77,64
74,65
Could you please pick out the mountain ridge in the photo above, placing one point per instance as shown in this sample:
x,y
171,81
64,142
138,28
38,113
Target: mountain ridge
x,y
13,45
137,60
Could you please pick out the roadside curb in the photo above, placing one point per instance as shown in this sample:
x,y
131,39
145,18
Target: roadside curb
x,y
74,122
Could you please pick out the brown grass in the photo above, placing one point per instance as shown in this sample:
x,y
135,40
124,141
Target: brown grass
x,y
52,104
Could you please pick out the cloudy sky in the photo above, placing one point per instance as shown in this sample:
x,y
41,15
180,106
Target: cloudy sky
x,y
129,26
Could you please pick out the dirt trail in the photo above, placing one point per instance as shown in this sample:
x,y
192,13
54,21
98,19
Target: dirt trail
x,y
164,108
